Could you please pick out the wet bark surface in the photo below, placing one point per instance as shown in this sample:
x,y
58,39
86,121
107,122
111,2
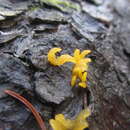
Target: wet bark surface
x,y
29,29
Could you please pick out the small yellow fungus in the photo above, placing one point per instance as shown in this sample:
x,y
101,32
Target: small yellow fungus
x,y
80,64
57,61
80,123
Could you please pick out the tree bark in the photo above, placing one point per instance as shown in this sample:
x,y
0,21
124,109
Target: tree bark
x,y
30,28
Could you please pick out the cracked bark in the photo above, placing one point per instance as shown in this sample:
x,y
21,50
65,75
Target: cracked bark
x,y
28,29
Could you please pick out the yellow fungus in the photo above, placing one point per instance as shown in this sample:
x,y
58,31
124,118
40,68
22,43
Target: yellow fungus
x,y
79,123
80,67
57,61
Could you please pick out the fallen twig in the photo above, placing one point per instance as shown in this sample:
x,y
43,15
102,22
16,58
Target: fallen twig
x,y
29,105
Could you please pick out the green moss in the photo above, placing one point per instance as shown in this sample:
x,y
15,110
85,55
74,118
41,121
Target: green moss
x,y
63,5
33,8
